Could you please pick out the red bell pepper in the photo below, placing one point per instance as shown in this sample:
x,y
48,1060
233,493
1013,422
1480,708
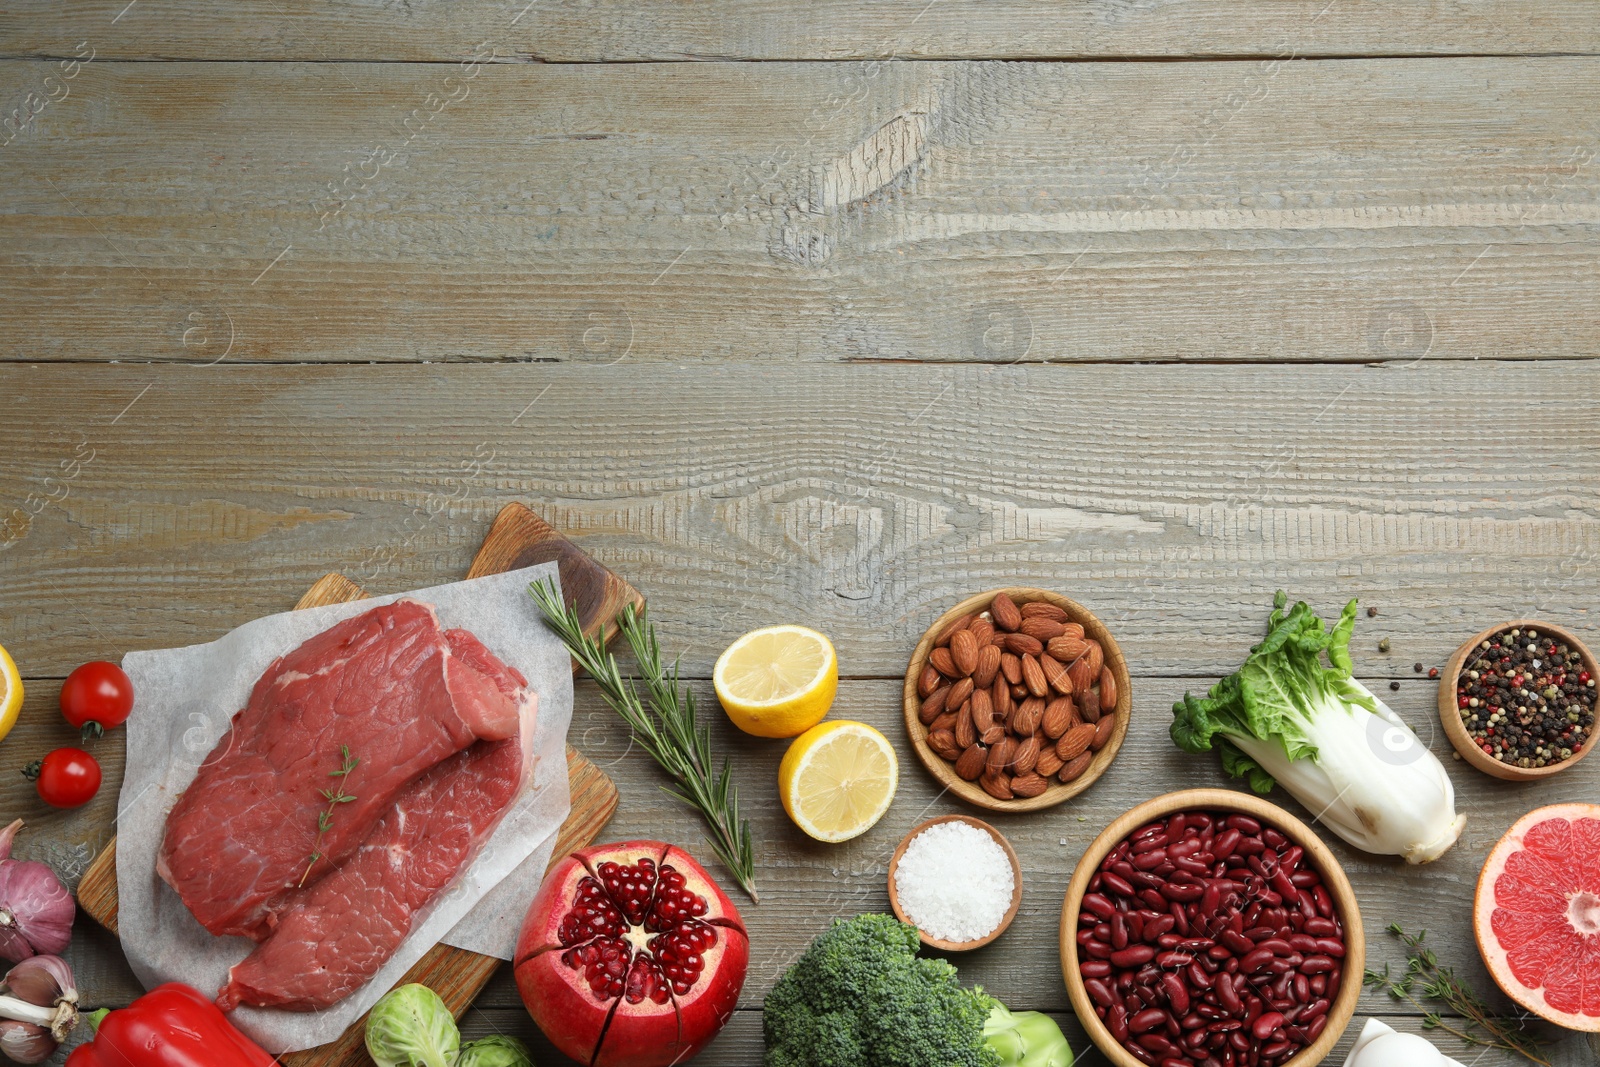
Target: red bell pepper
x,y
170,1026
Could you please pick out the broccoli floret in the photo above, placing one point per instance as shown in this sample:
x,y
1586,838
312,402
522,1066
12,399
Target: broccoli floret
x,y
861,997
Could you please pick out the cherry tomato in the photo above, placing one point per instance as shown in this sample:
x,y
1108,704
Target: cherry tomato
x,y
66,778
96,697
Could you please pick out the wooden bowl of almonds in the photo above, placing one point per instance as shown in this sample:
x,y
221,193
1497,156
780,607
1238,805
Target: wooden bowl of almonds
x,y
1017,699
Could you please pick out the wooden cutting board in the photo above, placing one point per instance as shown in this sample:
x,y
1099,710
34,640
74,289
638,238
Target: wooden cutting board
x,y
517,538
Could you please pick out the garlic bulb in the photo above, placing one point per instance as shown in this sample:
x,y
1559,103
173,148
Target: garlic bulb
x,y
36,911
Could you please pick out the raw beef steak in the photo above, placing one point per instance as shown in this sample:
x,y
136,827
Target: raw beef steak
x,y
341,931
392,686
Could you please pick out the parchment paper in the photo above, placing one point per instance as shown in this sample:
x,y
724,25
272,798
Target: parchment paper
x,y
184,700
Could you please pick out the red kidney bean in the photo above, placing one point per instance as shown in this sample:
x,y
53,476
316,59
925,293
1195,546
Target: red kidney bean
x,y
1317,965
1328,946
1132,956
1302,989
1118,931
1149,861
1095,969
1319,984
1116,883
1324,901
1146,1020
1099,905
1177,993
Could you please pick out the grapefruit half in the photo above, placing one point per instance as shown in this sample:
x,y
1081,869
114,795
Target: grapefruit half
x,y
1537,914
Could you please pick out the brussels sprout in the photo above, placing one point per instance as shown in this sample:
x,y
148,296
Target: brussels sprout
x,y
495,1051
411,1027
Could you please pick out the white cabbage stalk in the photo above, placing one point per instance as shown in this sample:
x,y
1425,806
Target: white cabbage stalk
x,y
1372,781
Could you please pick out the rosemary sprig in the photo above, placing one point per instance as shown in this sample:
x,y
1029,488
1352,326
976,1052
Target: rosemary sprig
x,y
1479,1025
334,797
666,727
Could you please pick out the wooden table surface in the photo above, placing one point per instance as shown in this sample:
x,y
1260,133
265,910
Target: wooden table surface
x,y
814,312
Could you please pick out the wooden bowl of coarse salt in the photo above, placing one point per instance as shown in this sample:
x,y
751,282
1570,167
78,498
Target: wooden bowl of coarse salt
x,y
957,880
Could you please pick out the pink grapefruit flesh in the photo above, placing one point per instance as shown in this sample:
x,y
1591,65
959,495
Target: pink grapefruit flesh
x,y
1537,914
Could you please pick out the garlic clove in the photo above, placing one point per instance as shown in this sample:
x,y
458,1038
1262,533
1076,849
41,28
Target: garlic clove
x,y
42,980
26,1043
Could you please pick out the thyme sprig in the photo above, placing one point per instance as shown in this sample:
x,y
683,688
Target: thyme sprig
x,y
1479,1024
664,723
334,797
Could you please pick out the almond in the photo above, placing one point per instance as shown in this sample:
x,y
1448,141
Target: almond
x,y
1049,763
1059,717
964,651
966,730
993,735
1097,660
1005,613
1019,691
982,630
1056,674
959,692
1000,755
1041,629
1033,676
982,710
1000,697
1083,672
933,706
1025,720
939,659
1102,732
1075,766
928,681
971,762
1023,645
1066,649
947,722
1075,741
1024,758
955,627
1028,785
1011,667
1108,689
988,666
943,742
997,786
1043,609
1089,706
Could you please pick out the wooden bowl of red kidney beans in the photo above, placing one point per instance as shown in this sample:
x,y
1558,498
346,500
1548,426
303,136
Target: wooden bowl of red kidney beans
x,y
1208,928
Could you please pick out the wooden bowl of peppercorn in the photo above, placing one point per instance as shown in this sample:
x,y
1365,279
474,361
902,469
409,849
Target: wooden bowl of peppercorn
x,y
1475,673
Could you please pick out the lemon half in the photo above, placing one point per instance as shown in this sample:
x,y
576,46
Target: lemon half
x,y
837,779
10,692
777,682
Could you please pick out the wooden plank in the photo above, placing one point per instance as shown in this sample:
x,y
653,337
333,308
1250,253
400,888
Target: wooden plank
x,y
805,884
767,29
990,212
862,500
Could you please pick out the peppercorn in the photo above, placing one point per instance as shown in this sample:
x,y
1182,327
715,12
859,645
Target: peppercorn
x,y
1433,672
1417,667
1383,646
1395,686
1372,612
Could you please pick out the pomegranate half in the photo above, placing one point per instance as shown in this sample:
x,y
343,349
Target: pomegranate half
x,y
631,956
1537,914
